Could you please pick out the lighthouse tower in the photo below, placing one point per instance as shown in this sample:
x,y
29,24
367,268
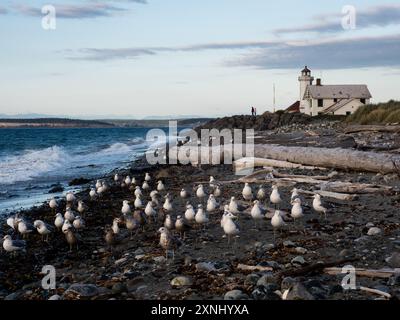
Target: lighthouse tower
x,y
305,80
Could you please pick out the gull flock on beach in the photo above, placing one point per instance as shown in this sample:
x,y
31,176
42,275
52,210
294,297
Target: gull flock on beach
x,y
151,208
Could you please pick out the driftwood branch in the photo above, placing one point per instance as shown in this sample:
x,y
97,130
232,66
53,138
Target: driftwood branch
x,y
384,273
328,194
244,267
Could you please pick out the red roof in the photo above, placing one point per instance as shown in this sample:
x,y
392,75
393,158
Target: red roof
x,y
295,107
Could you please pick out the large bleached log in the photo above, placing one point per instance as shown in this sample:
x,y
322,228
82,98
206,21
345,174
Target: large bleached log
x,y
370,273
331,158
261,162
333,195
371,128
357,188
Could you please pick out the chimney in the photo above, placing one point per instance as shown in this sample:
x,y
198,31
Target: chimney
x,y
319,82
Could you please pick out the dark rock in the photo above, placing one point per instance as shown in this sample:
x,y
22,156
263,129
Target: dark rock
x,y
394,280
265,293
56,189
251,279
236,295
267,278
287,283
299,292
83,290
394,260
335,289
78,182
118,288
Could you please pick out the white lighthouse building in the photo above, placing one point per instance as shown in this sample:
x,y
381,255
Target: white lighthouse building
x,y
317,99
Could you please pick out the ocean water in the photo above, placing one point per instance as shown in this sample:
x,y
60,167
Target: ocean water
x,y
33,160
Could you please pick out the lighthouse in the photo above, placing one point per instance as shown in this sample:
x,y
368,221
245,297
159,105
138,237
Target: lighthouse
x,y
305,80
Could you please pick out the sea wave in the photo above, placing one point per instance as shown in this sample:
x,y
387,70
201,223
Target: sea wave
x,y
31,164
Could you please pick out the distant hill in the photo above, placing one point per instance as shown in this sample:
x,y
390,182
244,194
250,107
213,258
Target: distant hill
x,y
75,123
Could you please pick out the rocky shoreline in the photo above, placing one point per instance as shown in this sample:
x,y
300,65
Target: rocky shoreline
x,y
206,266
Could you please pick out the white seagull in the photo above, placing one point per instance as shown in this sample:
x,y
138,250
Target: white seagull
x,y
277,222
160,186
317,205
11,245
275,197
201,216
230,227
59,221
247,192
257,213
297,210
190,213
42,228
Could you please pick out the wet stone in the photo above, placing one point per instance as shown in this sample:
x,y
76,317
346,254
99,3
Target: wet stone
x,y
236,295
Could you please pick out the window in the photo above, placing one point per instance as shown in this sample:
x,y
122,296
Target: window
x,y
320,113
362,101
335,100
348,113
320,103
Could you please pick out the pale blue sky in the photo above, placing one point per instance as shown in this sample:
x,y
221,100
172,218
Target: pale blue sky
x,y
180,57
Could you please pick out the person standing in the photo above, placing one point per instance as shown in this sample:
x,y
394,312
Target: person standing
x,y
252,111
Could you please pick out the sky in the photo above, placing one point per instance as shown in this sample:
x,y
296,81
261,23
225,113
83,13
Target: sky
x,y
138,58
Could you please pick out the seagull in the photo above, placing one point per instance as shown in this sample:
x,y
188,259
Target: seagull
x,y
138,192
217,192
160,186
295,194
154,194
42,228
213,183
275,197
24,227
115,225
317,205
138,203
131,224
150,211
111,238
200,192
147,177
190,213
71,238
211,204
11,245
184,194
12,222
69,215
93,194
277,222
140,217
201,216
53,204
98,184
66,225
81,207
169,222
257,213
261,194
78,223
126,209
226,211
297,210
247,192
145,186
182,226
70,197
128,181
59,221
234,206
133,180
167,242
167,206
229,226
116,178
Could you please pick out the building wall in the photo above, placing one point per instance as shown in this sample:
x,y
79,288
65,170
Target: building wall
x,y
352,106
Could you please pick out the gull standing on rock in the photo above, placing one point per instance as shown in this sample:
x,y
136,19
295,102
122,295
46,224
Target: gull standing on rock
x,y
217,191
182,226
138,202
295,194
12,222
72,239
126,208
213,183
93,194
150,211
78,223
53,205
169,223
147,177
42,228
160,186
24,228
59,221
190,213
115,225
257,213
116,178
138,192
261,194
132,224
317,205
275,197
168,242
211,203
184,194
230,227
70,197
66,225
277,222
201,216
13,246
200,193
145,186
247,192
297,210
167,206
235,207
98,184
128,181
69,215
81,207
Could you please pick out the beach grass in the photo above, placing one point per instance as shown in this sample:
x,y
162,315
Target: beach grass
x,y
381,113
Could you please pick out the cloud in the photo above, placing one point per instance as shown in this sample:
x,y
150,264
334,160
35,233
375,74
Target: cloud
x,y
99,54
89,10
322,54
381,16
328,54
3,10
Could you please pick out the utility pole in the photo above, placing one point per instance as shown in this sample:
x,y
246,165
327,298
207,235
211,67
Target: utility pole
x,y
274,102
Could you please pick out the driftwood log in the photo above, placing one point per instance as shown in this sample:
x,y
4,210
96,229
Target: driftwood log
x,y
371,128
383,273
